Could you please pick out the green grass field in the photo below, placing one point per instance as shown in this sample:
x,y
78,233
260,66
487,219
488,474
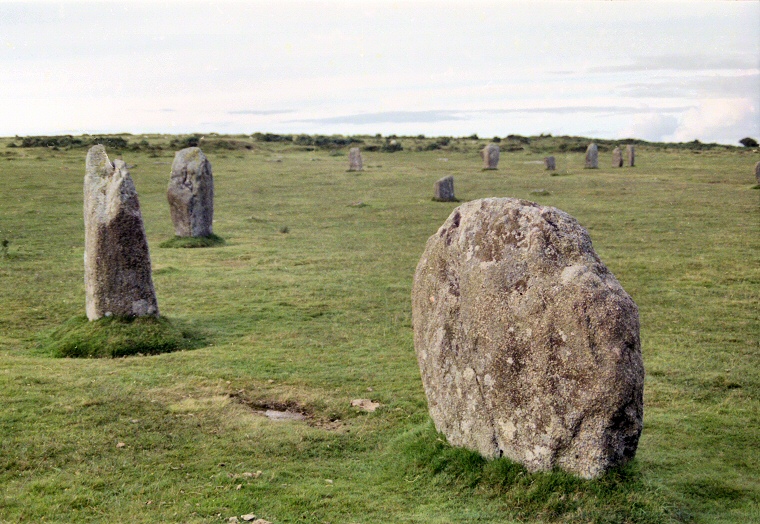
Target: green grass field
x,y
306,306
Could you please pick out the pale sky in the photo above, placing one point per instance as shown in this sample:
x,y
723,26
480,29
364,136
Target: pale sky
x,y
663,71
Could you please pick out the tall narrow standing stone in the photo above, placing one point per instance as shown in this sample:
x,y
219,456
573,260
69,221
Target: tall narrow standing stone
x,y
757,172
549,163
117,273
630,155
490,156
617,157
444,190
191,194
355,159
592,157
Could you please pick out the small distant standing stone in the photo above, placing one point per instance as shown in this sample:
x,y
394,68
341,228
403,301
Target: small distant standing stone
x,y
617,157
355,159
630,155
549,163
191,194
490,156
592,157
117,271
444,190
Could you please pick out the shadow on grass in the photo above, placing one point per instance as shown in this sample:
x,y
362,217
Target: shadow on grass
x,y
211,240
118,337
620,496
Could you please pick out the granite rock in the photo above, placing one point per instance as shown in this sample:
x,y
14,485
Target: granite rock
x,y
444,190
528,346
117,269
191,194
592,157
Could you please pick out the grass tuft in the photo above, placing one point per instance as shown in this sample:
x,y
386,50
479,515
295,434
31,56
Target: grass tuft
x,y
619,496
211,240
118,337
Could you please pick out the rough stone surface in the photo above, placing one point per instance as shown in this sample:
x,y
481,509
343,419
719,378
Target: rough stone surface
x,y
355,159
592,157
549,163
191,194
117,273
528,346
617,157
757,172
630,155
490,156
444,190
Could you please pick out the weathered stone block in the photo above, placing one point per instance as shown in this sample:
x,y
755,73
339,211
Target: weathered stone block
x,y
592,157
355,159
191,194
617,157
528,346
490,156
117,270
444,190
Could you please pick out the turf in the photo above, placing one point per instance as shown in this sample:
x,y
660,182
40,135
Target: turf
x,y
311,319
117,337
211,240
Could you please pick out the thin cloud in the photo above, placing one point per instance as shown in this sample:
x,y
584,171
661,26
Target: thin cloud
x,y
677,63
704,86
389,117
616,110
433,116
260,112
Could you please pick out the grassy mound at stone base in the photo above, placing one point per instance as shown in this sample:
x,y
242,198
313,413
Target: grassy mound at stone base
x,y
118,337
211,240
619,496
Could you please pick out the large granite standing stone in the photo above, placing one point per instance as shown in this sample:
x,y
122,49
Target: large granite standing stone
x,y
630,155
117,274
549,163
617,157
444,190
757,172
592,157
191,194
528,346
490,156
355,159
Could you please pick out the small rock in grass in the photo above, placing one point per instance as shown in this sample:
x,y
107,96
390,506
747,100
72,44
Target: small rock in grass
x,y
365,404
120,445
